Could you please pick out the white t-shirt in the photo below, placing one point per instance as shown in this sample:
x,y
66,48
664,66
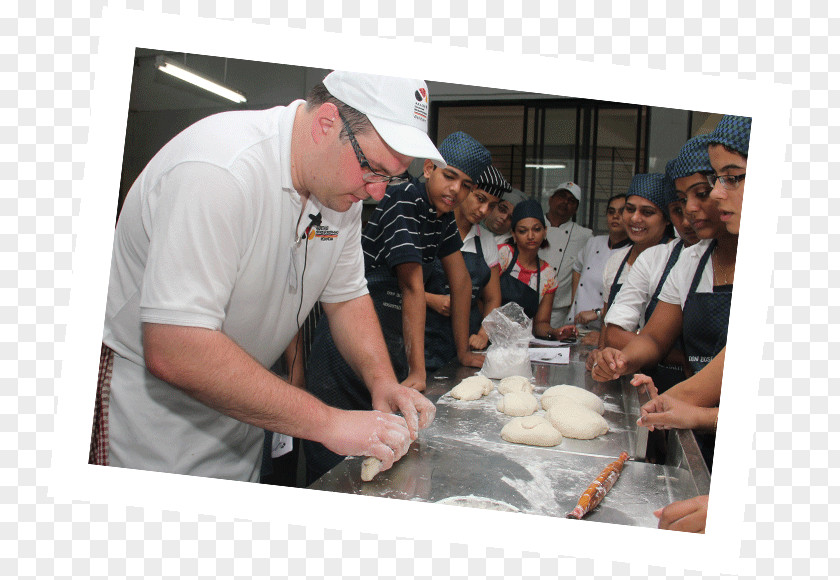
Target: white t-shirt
x,y
676,287
628,309
488,245
209,237
565,243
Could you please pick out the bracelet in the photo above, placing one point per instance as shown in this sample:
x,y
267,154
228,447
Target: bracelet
x,y
715,427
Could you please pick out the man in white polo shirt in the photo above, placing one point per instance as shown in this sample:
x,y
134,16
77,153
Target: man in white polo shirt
x,y
565,240
225,242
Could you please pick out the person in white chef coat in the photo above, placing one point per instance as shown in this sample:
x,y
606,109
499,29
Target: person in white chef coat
x,y
587,278
226,240
565,241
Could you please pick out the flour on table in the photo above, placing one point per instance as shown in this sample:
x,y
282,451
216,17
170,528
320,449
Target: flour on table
x,y
576,421
576,394
518,404
515,384
533,430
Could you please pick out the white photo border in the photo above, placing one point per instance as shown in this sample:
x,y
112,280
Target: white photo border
x,y
73,479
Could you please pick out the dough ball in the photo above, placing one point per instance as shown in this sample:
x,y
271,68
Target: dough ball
x,y
576,394
515,384
576,421
533,430
518,404
472,388
370,467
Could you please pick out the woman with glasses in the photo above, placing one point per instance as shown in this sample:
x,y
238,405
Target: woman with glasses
x,y
695,299
410,227
481,257
692,403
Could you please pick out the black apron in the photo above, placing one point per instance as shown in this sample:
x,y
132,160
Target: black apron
x,y
665,376
705,325
440,341
705,318
514,290
615,285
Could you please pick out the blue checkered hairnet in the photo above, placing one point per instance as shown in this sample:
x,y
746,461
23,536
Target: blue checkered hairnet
x,y
654,187
692,158
530,208
465,153
493,182
734,132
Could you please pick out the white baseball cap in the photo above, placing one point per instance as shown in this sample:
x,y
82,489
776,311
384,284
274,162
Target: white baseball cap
x,y
569,186
398,108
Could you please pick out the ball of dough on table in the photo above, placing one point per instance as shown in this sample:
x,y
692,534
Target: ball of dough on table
x,y
533,430
576,394
515,384
472,388
576,421
518,404
370,467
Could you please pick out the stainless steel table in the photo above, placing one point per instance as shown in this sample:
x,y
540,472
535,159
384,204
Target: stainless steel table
x,y
461,457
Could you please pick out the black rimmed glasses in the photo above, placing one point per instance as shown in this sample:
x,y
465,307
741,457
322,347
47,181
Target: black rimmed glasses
x,y
371,176
727,181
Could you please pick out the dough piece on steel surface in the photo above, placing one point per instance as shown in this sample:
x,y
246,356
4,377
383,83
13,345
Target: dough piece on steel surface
x,y
370,467
472,388
515,384
518,404
532,430
576,421
580,396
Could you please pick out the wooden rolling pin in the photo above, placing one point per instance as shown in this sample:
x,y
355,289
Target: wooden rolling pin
x,y
599,488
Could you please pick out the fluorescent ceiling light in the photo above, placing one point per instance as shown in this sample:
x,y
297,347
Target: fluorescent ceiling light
x,y
545,165
185,74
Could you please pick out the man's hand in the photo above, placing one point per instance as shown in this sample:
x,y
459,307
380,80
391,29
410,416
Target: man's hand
x,y
438,302
688,515
369,434
471,359
609,365
418,411
666,412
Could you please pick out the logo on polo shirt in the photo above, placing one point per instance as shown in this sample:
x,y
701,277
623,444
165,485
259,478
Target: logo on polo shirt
x,y
323,233
421,107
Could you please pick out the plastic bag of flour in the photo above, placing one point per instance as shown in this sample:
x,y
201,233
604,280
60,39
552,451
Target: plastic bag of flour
x,y
509,330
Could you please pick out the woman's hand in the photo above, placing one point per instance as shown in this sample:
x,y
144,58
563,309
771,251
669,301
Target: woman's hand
x,y
591,339
562,333
688,515
609,365
586,317
666,412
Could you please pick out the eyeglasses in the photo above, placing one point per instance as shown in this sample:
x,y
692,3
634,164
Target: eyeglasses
x,y
727,181
371,176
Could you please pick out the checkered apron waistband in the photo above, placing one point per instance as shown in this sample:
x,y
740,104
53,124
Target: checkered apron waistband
x,y
99,434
